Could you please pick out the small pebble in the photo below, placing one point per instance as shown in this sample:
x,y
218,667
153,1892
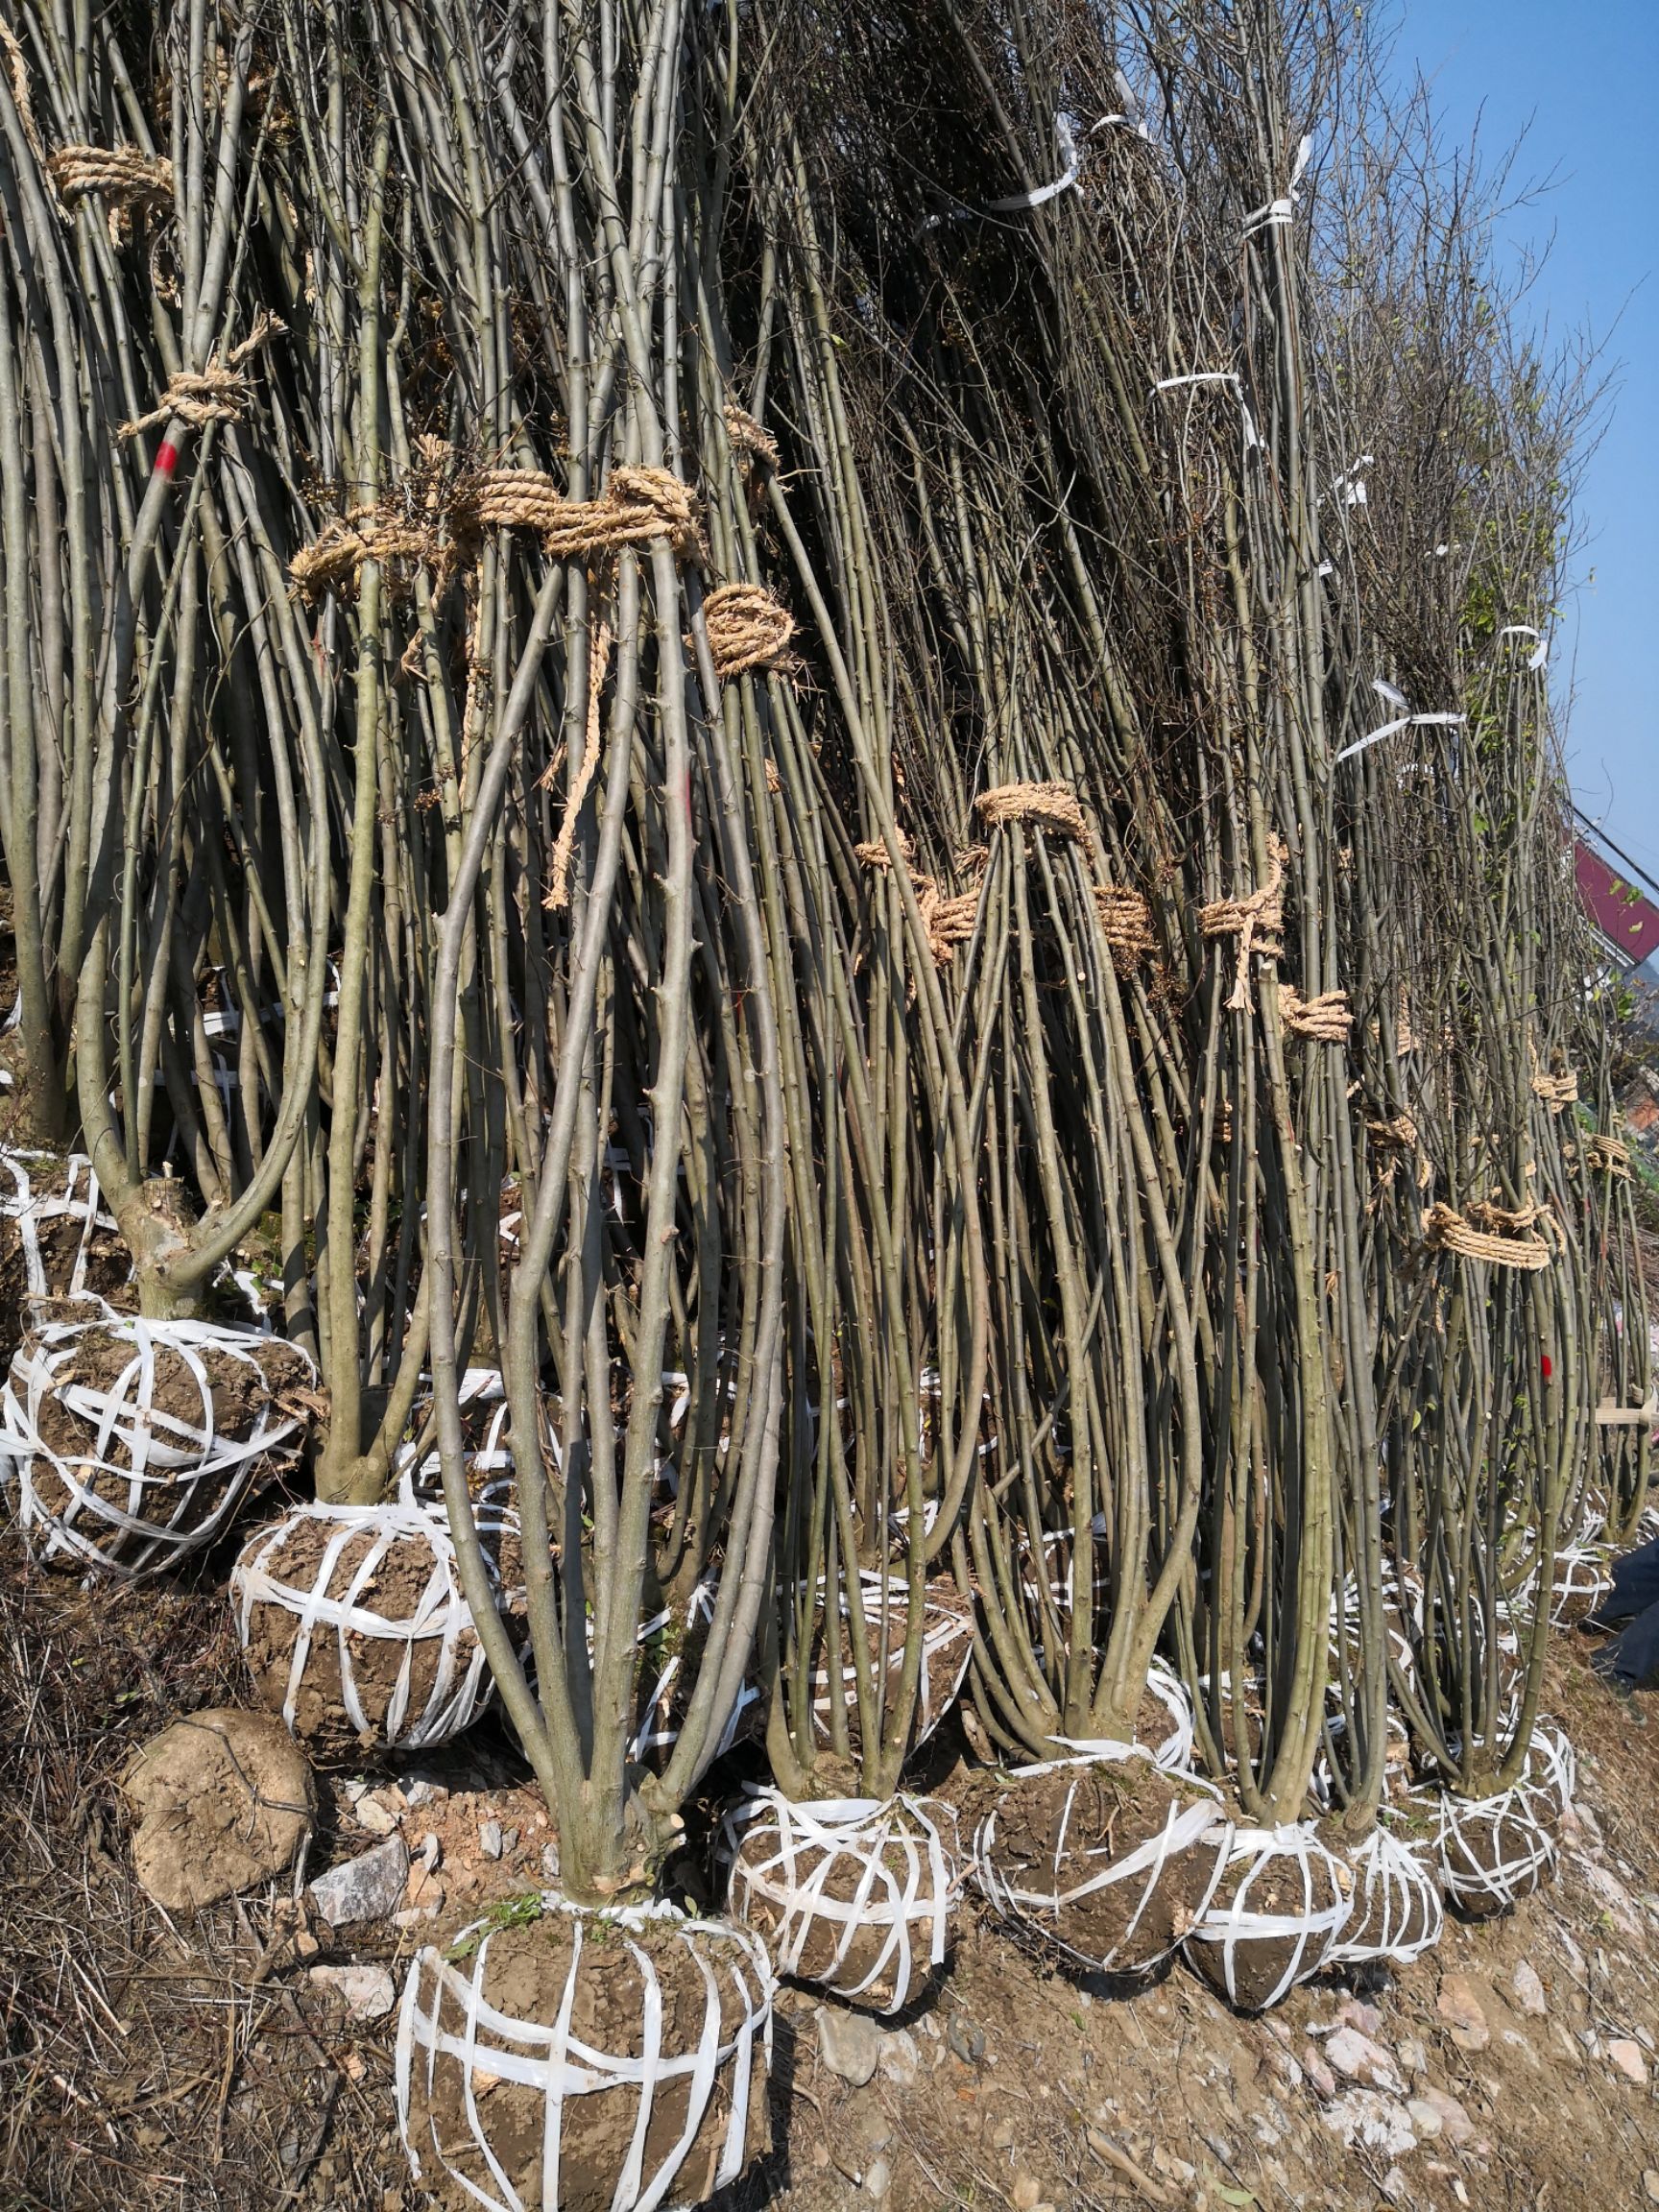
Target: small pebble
x,y
877,2179
489,1838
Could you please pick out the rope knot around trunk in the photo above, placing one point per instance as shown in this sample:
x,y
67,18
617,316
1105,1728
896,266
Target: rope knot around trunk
x,y
1606,1156
1557,1091
217,393
1049,807
875,853
1326,1020
1126,924
747,629
747,436
1489,1233
637,506
1256,920
119,173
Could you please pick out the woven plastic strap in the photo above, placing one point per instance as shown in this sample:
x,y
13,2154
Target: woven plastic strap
x,y
552,2059
1522,1851
345,1611
1309,1932
1185,1828
165,1460
1396,1912
905,1879
79,1200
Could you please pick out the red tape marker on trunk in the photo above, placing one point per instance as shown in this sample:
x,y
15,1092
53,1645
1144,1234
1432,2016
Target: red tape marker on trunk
x,y
167,459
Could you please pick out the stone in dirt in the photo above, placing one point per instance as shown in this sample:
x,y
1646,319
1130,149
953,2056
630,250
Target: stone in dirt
x,y
489,1838
1650,2183
373,1812
1458,2005
368,1993
367,1887
1627,2057
1455,2121
1363,2061
1528,1989
849,2043
223,1801
1365,2120
900,2061
878,2180
1027,2193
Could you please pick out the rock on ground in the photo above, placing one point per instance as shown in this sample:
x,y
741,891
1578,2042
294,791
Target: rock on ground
x,y
367,1887
223,1802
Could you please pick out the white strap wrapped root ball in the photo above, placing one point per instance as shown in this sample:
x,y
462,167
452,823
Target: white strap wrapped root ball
x,y
609,2061
1107,1859
65,1240
1551,1775
947,1646
132,1443
1276,1917
671,1643
1397,1910
1493,1851
850,1893
353,1623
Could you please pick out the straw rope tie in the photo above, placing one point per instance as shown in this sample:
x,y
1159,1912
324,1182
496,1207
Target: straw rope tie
x,y
1474,1236
118,171
1606,1156
875,853
1402,1131
599,659
747,629
1048,805
747,436
637,506
1255,920
1126,924
214,393
1327,1019
1557,1090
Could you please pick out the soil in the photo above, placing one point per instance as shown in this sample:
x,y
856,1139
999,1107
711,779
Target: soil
x,y
769,1898
1480,1844
124,2089
1055,1832
525,1975
395,1592
224,1801
177,1501
1276,1885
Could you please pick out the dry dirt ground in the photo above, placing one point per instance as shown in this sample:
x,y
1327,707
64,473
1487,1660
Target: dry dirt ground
x,y
151,2064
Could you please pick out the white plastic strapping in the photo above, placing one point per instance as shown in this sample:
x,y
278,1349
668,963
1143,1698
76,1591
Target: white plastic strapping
x,y
1520,1848
947,1646
1198,1824
80,1200
347,1614
662,1709
1396,1909
900,1867
1311,1930
446,2017
177,1480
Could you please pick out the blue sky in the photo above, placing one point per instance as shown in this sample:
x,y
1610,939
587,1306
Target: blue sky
x,y
1583,82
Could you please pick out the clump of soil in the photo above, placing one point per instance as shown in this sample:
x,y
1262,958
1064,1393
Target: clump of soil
x,y
1278,1913
157,1457
527,1963
1077,1854
402,1636
224,1801
1494,1851
851,1905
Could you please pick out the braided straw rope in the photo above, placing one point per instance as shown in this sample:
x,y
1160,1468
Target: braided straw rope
x,y
1049,805
558,889
875,853
1557,1090
947,922
1606,1156
384,534
1255,920
1126,924
1327,1019
747,436
120,173
17,68
747,629
1447,1230
215,394
637,506
1402,1131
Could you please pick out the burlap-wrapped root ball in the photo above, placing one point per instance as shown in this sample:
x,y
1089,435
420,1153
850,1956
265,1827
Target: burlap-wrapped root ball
x,y
583,2061
1493,1851
1276,1916
132,1443
1106,1859
353,1624
1396,1912
850,1893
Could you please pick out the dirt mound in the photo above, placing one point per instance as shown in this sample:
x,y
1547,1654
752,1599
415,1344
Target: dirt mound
x,y
224,1801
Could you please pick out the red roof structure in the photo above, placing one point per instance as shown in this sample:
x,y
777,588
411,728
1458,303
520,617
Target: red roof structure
x,y
1629,922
